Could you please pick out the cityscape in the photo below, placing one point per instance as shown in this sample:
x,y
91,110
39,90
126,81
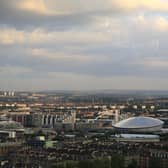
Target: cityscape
x,y
83,129
83,84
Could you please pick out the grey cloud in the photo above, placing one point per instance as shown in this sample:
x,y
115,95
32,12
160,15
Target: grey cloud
x,y
120,62
128,50
12,16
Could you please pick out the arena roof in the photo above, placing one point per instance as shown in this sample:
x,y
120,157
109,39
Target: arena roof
x,y
139,122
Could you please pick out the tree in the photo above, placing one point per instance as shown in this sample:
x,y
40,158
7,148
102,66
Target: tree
x,y
155,163
117,161
133,164
102,163
86,164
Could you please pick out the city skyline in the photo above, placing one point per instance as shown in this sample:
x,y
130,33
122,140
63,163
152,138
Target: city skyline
x,y
83,45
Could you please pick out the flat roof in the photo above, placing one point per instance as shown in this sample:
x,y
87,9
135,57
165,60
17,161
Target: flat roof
x,y
137,136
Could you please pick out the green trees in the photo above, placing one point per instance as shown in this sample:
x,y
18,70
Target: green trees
x,y
86,164
116,161
102,163
67,164
97,163
155,163
133,164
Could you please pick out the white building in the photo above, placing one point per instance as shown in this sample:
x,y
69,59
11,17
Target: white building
x,y
139,124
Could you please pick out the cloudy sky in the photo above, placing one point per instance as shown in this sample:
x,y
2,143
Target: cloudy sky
x,y
83,44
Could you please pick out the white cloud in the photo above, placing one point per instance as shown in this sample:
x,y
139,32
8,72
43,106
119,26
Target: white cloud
x,y
33,5
156,23
148,5
57,7
76,6
161,24
66,56
104,30
41,7
12,36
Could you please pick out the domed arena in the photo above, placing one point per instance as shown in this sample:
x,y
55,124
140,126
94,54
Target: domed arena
x,y
139,124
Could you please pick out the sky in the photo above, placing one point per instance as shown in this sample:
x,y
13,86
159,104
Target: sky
x,y
83,44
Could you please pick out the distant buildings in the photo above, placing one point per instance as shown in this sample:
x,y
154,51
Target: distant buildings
x,y
9,93
136,138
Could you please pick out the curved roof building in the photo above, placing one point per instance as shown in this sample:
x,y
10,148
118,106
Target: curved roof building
x,y
139,124
10,125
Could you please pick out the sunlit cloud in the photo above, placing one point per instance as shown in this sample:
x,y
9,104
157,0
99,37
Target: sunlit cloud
x,y
33,5
146,5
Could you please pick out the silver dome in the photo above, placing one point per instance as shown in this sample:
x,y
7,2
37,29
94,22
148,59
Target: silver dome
x,y
136,123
